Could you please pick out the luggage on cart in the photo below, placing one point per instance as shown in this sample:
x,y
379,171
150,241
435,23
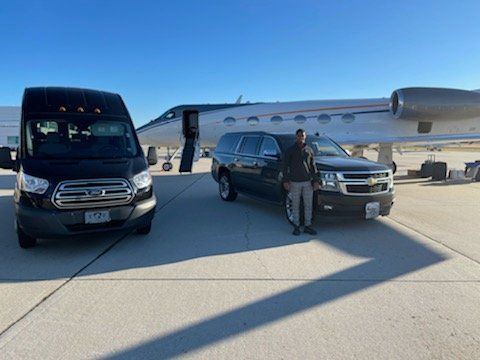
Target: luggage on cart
x,y
426,170
439,171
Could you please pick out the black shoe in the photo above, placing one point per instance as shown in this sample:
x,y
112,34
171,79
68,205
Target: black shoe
x,y
309,230
296,231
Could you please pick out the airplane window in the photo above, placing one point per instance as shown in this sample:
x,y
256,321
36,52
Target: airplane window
x,y
170,115
324,118
276,120
253,120
300,119
348,118
229,121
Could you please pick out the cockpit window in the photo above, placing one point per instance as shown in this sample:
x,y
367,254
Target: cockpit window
x,y
170,115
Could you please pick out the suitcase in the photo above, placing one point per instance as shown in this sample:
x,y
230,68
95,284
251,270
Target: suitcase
x,y
426,170
439,171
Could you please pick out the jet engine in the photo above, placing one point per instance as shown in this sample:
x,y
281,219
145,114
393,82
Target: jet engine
x,y
434,104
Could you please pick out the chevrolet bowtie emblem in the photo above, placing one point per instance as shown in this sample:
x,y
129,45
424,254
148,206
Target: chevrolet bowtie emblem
x,y
371,181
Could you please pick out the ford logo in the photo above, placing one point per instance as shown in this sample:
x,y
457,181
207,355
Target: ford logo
x,y
96,192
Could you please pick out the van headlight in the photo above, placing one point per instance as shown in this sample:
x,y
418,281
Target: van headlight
x,y
31,184
142,180
329,181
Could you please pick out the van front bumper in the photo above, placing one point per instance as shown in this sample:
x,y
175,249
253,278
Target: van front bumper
x,y
338,204
42,223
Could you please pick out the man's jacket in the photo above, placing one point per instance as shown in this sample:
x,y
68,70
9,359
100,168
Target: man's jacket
x,y
299,164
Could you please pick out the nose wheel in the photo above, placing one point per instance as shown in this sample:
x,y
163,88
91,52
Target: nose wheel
x,y
167,166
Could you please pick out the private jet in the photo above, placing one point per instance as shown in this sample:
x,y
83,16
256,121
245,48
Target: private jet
x,y
409,116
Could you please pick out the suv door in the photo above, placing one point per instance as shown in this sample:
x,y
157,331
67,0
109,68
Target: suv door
x,y
270,162
245,164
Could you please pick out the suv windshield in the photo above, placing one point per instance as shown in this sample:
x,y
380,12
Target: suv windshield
x,y
80,138
322,146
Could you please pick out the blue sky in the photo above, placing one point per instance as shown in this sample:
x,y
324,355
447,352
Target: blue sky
x,y
158,54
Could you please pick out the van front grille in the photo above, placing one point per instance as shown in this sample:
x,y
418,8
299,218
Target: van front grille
x,y
77,194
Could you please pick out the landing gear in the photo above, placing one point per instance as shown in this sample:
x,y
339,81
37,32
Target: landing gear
x,y
167,166
385,156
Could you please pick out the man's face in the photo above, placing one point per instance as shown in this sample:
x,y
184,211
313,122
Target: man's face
x,y
301,136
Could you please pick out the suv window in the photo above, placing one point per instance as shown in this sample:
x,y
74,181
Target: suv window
x,y
249,145
269,145
227,143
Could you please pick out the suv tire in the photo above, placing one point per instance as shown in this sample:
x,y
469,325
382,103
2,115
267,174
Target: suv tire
x,y
25,241
287,205
225,187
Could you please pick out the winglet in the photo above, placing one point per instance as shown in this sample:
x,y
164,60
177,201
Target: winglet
x,y
239,100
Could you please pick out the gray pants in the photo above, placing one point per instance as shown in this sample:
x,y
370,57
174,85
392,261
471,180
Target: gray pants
x,y
302,189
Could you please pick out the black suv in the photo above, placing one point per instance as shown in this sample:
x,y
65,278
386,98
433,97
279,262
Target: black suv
x,y
251,163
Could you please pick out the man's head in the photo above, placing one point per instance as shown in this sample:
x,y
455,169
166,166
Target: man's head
x,y
300,136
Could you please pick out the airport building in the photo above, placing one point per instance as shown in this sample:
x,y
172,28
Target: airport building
x,y
9,126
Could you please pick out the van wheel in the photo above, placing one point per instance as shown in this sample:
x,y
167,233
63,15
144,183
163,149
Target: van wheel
x,y
25,241
225,188
144,230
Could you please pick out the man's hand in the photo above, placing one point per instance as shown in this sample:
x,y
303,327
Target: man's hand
x,y
316,186
286,185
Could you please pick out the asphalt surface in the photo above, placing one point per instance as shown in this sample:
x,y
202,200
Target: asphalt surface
x,y
216,280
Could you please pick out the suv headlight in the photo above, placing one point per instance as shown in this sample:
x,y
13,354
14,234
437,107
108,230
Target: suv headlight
x,y
390,179
31,184
142,180
329,181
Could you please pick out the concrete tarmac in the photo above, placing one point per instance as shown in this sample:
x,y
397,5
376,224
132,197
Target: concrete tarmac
x,y
228,280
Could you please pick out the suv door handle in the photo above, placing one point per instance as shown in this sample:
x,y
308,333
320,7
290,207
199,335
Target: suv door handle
x,y
255,164
235,159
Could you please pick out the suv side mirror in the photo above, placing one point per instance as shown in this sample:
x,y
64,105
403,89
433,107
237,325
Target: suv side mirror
x,y
152,157
272,154
6,161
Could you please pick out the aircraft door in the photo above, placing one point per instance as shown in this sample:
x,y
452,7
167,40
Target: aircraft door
x,y
190,131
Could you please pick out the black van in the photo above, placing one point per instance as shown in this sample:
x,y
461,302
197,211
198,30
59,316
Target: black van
x,y
80,168
251,163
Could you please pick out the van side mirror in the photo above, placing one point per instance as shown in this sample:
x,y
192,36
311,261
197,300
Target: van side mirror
x,y
152,157
272,154
6,161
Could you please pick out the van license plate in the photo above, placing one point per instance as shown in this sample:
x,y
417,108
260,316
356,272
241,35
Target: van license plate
x,y
97,217
372,210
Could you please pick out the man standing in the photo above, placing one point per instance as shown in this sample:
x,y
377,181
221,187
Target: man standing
x,y
300,178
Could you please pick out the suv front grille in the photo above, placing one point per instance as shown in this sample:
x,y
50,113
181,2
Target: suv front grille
x,y
77,194
364,182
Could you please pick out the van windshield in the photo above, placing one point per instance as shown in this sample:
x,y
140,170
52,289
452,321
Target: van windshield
x,y
80,138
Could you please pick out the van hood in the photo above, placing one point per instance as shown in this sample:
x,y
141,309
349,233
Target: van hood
x,y
348,164
59,170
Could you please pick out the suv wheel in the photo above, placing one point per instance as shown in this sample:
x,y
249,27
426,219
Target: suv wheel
x,y
287,204
225,188
25,241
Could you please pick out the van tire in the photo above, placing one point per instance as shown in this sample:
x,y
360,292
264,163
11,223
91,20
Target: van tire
x,y
25,241
225,187
144,230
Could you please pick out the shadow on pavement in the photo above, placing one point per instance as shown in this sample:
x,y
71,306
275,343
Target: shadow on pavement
x,y
214,227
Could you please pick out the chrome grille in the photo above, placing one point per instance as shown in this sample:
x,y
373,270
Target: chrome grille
x,y
364,183
94,193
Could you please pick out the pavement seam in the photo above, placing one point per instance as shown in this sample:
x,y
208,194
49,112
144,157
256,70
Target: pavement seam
x,y
247,237
280,280
435,240
180,193
107,249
